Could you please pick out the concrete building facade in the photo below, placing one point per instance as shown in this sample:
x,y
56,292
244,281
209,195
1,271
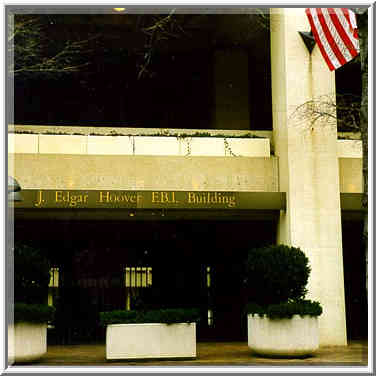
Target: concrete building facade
x,y
304,178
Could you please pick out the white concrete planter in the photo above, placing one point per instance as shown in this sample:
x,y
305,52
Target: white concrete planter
x,y
298,336
145,341
27,342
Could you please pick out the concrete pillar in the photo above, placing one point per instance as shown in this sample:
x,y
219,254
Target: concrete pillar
x,y
308,165
231,109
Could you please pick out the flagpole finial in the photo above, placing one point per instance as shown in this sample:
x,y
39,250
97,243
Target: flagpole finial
x,y
308,39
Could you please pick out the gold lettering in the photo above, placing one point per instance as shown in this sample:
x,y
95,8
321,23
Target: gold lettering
x,y
40,200
59,196
73,200
211,198
164,197
106,197
191,198
155,197
133,199
232,201
103,198
173,198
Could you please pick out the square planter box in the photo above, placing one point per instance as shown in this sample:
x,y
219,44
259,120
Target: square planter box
x,y
27,342
150,341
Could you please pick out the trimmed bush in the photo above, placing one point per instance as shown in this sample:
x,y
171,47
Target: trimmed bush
x,y
31,274
287,309
31,280
167,316
38,313
276,279
276,274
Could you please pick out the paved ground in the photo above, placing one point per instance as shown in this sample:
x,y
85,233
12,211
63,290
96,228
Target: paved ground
x,y
208,354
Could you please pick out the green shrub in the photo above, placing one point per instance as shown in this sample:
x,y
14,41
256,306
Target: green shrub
x,y
118,317
276,274
31,274
31,280
38,313
286,309
276,279
167,316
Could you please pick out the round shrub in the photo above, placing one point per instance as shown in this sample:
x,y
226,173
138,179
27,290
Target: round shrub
x,y
276,274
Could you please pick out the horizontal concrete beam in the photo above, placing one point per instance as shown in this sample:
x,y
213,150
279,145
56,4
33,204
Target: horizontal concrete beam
x,y
349,149
138,145
119,172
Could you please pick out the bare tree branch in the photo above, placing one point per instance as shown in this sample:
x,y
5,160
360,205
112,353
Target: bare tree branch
x,y
341,110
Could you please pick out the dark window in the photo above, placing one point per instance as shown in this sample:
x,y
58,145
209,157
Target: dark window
x,y
348,96
176,92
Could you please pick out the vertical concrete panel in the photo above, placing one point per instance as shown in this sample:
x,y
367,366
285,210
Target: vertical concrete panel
x,y
63,144
309,169
22,143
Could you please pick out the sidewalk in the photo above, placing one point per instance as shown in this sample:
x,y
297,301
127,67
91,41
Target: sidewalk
x,y
208,354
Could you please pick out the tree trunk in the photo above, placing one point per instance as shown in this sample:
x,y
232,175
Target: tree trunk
x,y
362,22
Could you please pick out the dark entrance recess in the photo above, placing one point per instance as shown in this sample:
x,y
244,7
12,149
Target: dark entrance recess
x,y
105,265
355,280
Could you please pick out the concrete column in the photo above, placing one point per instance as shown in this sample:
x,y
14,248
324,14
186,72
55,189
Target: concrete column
x,y
308,165
231,89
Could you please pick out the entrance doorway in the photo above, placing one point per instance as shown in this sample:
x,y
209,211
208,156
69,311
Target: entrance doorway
x,y
355,280
107,265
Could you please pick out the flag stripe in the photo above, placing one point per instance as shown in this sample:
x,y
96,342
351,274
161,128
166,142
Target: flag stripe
x,y
333,44
335,33
347,15
353,42
312,17
339,44
352,19
345,40
350,25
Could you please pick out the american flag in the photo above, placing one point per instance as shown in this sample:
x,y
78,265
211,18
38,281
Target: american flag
x,y
335,33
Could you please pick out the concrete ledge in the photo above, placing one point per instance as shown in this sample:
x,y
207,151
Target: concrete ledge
x,y
132,131
144,145
138,145
349,149
109,145
204,146
244,147
51,144
23,143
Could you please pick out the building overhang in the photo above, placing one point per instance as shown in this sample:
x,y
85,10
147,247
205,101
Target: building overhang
x,y
148,205
351,206
146,199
